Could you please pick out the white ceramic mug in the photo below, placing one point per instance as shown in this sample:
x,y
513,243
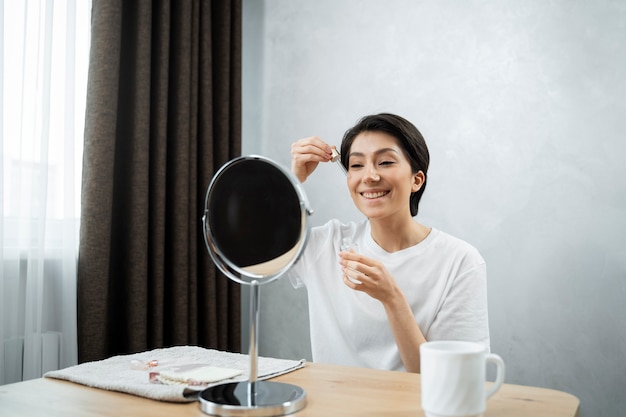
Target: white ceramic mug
x,y
453,376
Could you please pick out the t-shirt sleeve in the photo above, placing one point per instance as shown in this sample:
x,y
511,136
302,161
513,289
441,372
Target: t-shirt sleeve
x,y
463,313
301,269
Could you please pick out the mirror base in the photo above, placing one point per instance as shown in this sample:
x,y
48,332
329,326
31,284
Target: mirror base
x,y
260,398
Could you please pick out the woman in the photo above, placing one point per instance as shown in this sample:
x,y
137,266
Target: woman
x,y
406,283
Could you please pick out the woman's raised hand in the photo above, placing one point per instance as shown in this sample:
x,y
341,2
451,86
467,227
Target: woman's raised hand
x,y
306,154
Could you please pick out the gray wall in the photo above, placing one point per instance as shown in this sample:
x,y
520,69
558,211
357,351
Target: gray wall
x,y
522,106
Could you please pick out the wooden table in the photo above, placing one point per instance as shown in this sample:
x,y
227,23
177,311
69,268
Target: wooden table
x,y
331,391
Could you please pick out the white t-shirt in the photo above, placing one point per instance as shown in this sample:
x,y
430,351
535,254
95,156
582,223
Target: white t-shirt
x,y
443,279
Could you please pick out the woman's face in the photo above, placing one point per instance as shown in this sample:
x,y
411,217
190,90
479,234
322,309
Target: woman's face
x,y
379,176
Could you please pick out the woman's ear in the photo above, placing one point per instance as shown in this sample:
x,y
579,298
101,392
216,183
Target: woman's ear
x,y
418,181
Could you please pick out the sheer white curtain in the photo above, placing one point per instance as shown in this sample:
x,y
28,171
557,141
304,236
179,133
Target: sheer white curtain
x,y
43,78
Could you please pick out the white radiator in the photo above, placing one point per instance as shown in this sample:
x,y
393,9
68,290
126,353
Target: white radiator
x,y
50,351
32,305
13,360
31,357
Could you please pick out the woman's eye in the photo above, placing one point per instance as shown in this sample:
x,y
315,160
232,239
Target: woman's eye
x,y
355,166
386,163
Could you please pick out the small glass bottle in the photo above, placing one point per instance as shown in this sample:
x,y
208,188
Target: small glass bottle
x,y
347,245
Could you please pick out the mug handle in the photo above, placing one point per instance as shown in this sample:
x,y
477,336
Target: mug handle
x,y
497,360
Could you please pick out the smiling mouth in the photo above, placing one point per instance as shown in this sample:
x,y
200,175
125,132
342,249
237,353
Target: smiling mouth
x,y
375,195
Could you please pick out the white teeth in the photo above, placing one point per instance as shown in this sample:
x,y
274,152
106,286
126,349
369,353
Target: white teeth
x,y
374,195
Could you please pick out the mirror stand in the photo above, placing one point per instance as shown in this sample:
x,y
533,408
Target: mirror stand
x,y
253,397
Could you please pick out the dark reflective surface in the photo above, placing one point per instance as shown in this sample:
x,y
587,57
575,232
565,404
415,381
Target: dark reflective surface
x,y
255,219
255,214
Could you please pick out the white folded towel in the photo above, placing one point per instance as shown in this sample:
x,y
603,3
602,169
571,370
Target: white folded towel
x,y
197,376
183,371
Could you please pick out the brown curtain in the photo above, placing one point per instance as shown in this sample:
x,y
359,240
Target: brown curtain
x,y
163,114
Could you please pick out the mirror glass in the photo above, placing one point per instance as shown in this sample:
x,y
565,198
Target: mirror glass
x,y
255,219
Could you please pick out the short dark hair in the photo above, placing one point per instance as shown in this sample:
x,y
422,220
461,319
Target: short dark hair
x,y
409,137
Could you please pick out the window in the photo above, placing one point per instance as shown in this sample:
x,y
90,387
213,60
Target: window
x,y
43,79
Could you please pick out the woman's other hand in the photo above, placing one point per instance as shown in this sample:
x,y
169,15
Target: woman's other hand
x,y
368,275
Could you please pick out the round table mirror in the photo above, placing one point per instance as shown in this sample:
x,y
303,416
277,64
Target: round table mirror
x,y
255,227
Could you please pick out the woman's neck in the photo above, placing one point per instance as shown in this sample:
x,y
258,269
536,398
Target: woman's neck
x,y
394,236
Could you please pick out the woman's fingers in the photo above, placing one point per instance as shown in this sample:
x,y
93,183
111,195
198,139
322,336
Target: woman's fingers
x,y
352,276
311,148
306,154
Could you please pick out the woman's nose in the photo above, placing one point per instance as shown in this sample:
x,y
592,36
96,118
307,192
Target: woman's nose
x,y
372,174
